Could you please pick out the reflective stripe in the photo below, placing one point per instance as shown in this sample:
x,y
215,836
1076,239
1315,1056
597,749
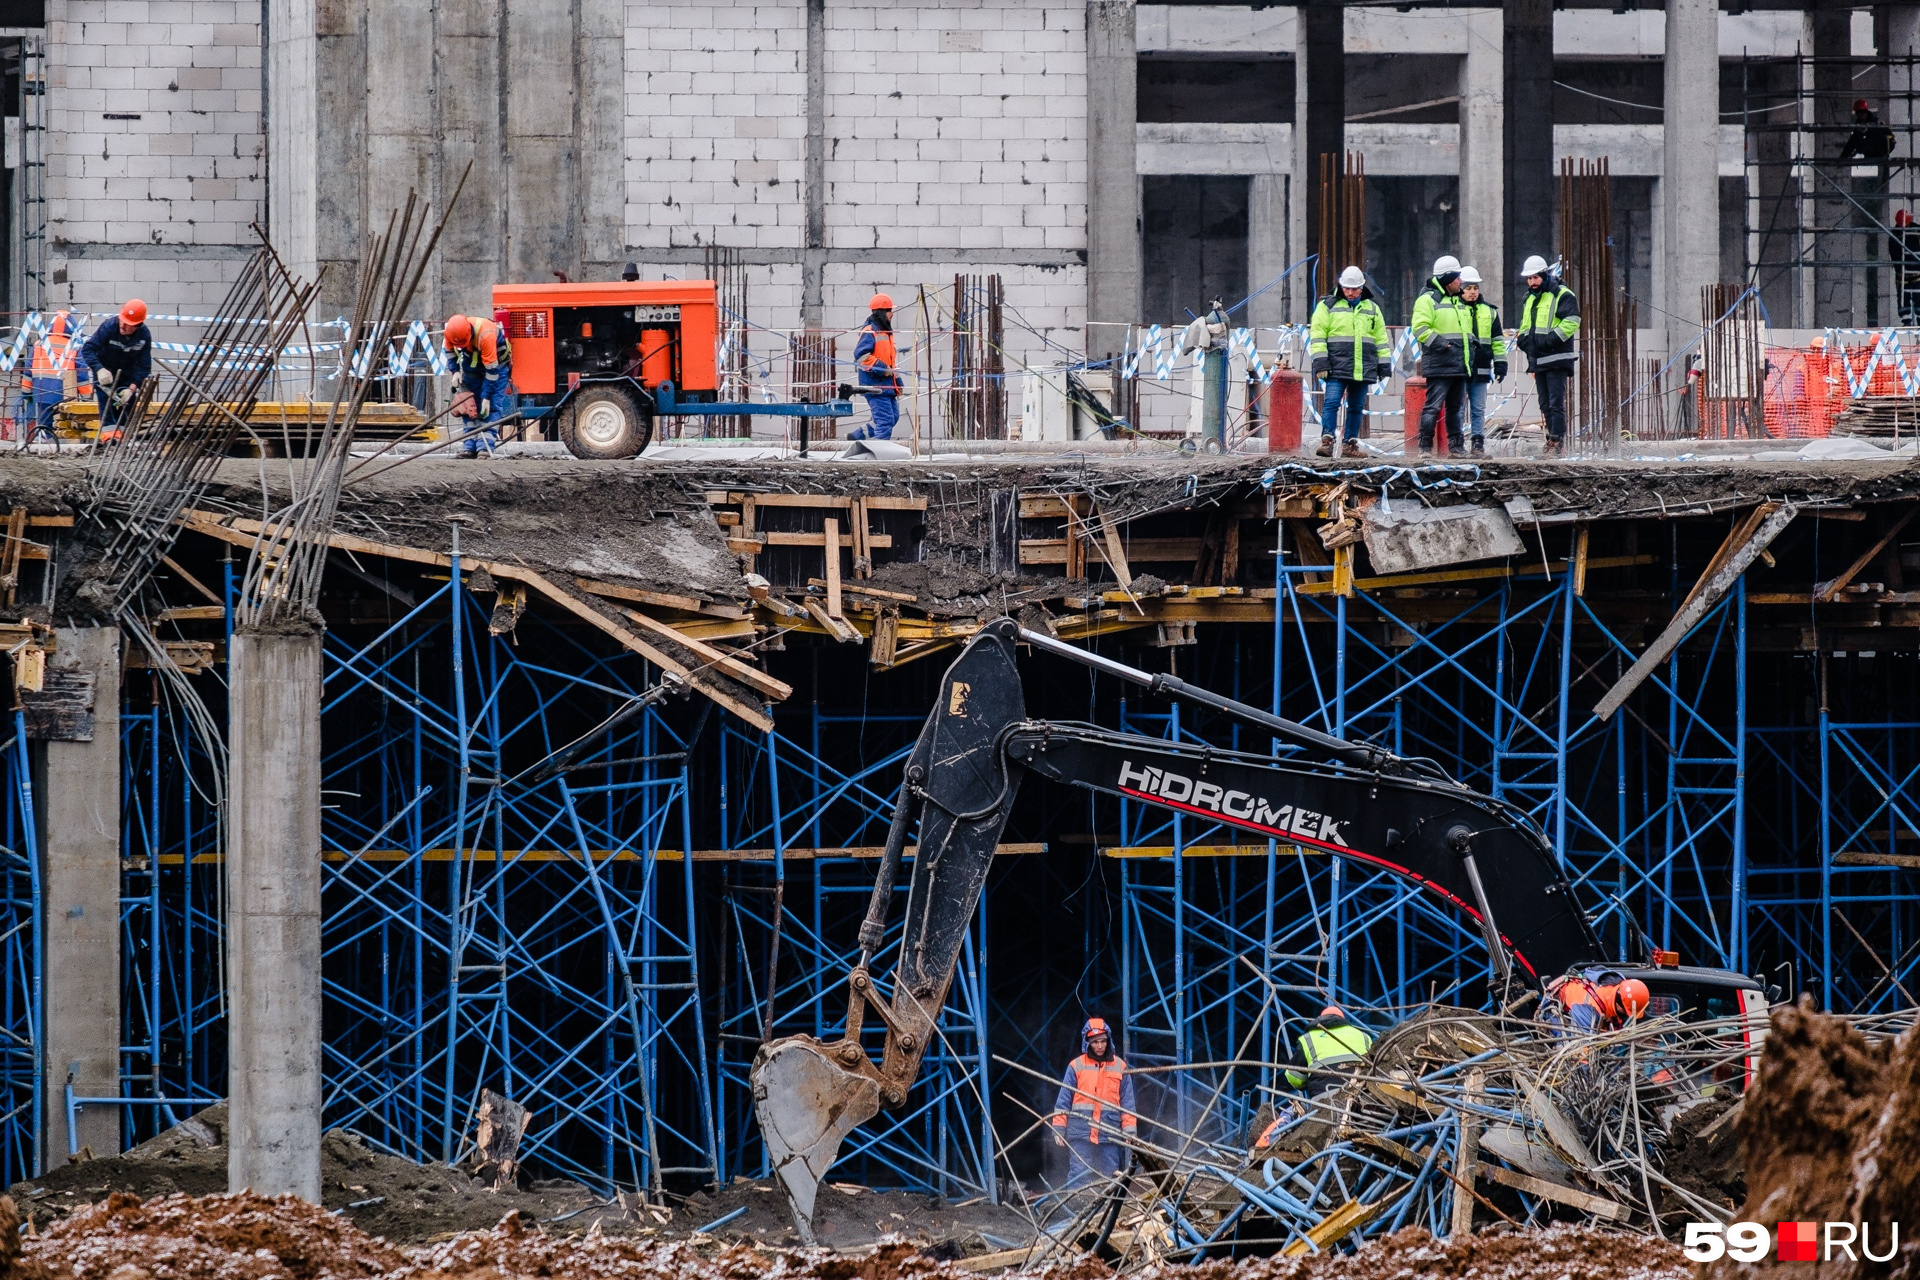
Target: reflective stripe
x,y
1097,1086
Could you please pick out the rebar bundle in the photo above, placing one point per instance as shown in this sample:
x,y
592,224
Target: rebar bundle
x,y
732,358
1607,317
977,394
1341,237
281,590
166,460
1733,376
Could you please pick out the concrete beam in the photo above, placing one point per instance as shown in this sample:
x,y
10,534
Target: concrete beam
x,y
273,878
80,852
1690,172
1113,192
813,263
1526,54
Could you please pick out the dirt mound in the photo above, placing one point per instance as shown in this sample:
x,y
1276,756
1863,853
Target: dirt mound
x,y
383,1194
226,1237
1831,1133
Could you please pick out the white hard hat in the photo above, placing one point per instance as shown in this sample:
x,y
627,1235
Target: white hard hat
x,y
1533,266
1469,275
1445,265
1353,278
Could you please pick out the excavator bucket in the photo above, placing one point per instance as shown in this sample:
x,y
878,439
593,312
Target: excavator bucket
x,y
807,1103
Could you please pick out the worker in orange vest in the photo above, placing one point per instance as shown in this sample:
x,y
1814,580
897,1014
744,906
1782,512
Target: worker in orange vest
x,y
46,386
879,363
1094,1114
486,369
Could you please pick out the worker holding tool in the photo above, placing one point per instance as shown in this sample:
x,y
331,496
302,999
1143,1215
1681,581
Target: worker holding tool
x,y
1486,355
879,364
1549,323
486,369
1439,325
46,387
1348,345
118,358
1094,1112
1327,1052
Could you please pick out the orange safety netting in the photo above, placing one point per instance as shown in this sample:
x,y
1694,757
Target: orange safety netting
x,y
1806,390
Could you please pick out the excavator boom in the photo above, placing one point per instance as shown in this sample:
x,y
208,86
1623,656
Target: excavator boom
x,y
1337,797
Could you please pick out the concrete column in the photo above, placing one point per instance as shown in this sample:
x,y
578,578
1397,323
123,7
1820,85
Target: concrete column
x,y
542,163
1832,110
1268,250
1903,40
292,125
1482,209
1690,165
1321,77
602,93
1113,190
1526,54
401,123
80,848
813,258
273,896
471,124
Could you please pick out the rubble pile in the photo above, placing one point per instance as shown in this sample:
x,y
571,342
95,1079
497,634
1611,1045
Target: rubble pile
x,y
247,1237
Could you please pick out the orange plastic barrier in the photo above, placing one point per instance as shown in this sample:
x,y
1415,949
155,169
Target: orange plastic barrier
x,y
1807,391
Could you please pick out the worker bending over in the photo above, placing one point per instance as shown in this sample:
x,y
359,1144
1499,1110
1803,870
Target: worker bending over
x,y
1348,344
1327,1052
1095,1107
486,371
118,358
1439,325
1486,355
53,363
1593,1000
1549,322
879,364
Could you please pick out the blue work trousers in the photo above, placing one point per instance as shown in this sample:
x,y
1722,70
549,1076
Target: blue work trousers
x,y
496,390
48,395
1093,1162
885,411
1477,410
1355,395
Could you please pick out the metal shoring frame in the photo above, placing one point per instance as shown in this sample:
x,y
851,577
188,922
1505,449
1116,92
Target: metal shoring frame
x,y
23,1086
939,1142
1860,779
507,956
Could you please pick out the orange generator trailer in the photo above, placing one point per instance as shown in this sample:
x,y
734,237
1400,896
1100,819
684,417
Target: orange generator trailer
x,y
602,361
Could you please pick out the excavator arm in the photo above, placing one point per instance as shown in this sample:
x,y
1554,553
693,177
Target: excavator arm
x,y
1337,797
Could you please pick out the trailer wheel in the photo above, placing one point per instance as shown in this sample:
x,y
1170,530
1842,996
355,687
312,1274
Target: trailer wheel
x,y
605,422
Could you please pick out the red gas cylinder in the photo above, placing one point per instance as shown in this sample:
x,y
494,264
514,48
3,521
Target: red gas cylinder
x,y
1415,400
1285,399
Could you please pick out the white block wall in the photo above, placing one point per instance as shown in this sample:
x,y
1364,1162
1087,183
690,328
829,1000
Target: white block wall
x,y
188,172
956,143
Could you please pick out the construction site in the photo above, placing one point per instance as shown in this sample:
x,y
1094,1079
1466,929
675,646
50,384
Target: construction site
x,y
735,639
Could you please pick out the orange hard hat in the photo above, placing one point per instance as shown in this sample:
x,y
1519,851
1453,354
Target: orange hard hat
x,y
1333,1011
134,312
880,302
1634,997
459,331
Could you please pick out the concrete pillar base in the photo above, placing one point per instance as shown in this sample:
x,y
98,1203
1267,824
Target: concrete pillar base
x,y
273,894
